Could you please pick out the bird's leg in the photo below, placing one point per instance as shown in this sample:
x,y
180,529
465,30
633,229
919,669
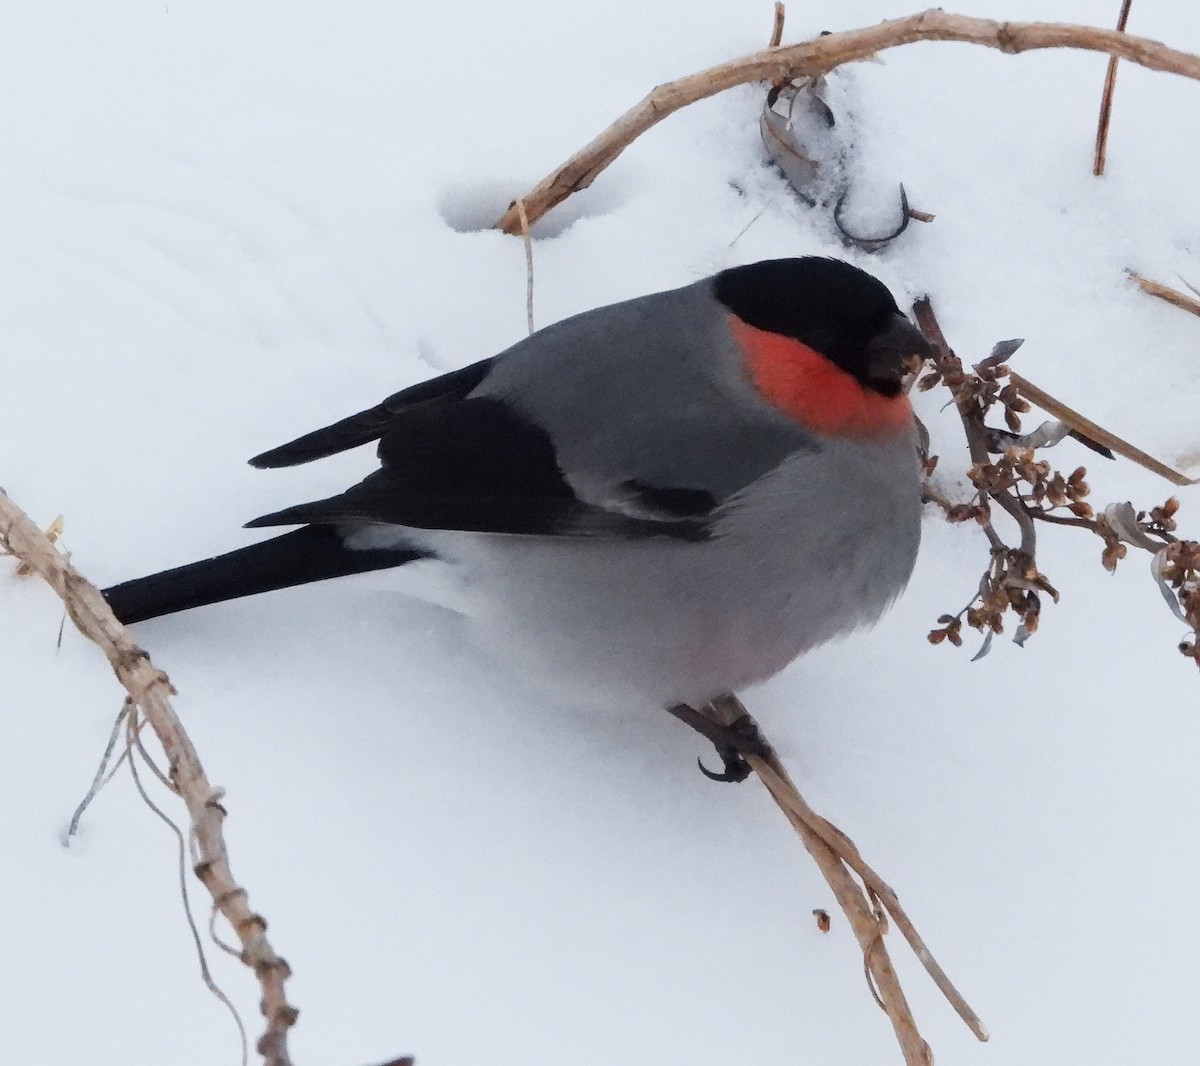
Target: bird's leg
x,y
740,737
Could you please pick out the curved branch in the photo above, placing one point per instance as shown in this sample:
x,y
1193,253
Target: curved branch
x,y
823,54
150,689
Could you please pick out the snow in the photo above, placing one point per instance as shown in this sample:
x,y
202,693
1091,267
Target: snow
x,y
224,225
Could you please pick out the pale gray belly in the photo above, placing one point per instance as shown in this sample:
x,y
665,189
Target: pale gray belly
x,y
805,556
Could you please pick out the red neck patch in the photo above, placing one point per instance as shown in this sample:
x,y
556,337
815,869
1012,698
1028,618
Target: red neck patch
x,y
823,397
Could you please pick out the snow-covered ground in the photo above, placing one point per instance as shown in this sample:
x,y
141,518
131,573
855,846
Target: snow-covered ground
x,y
225,224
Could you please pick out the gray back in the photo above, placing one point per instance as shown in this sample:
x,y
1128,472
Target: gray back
x,y
653,388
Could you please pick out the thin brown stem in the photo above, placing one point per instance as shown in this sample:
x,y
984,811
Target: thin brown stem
x,y
931,495
782,787
1061,519
1164,292
1020,514
1099,434
836,855
525,235
865,926
777,28
1106,98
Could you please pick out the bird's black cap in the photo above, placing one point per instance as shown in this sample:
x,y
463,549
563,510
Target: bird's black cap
x,y
831,306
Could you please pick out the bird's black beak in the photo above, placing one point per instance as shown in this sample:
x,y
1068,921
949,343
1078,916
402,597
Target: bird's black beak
x,y
894,352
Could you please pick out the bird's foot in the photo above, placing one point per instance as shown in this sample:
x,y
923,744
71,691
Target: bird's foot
x,y
741,737
733,742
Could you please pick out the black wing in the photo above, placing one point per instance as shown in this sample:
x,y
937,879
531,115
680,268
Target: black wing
x,y
479,465
375,422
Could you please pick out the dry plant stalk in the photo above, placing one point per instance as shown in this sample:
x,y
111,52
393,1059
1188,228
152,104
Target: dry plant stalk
x,y
1164,292
819,56
1095,432
150,691
836,856
777,28
528,239
1106,98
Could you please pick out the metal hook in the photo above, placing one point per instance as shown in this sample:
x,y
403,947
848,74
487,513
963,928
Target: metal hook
x,y
871,244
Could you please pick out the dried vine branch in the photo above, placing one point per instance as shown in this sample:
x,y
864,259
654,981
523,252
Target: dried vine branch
x,y
150,691
836,857
1106,98
823,54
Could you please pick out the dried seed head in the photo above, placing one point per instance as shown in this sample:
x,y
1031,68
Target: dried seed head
x,y
1113,552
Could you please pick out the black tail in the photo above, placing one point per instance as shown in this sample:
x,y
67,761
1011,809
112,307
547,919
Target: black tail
x,y
313,553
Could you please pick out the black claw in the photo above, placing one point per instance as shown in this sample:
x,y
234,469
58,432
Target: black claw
x,y
734,741
736,769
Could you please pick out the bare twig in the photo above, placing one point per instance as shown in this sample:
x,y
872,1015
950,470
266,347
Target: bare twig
x,y
866,927
1063,520
1106,99
1097,433
820,55
528,263
1173,296
150,690
784,790
836,855
1024,522
777,29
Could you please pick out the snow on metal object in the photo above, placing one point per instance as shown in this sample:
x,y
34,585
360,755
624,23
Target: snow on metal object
x,y
803,137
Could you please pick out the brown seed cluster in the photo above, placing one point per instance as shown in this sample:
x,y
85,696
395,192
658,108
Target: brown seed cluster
x,y
1179,568
1012,582
1007,472
982,389
1038,485
1114,548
